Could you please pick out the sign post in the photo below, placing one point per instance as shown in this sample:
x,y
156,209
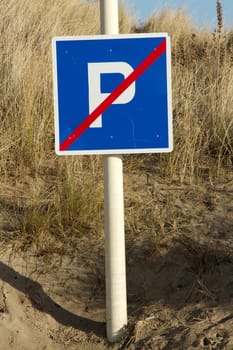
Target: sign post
x,y
115,270
112,96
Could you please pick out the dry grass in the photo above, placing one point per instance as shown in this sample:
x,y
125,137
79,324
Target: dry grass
x,y
54,198
202,94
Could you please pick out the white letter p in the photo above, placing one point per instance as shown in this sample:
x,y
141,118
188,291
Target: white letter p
x,y
94,83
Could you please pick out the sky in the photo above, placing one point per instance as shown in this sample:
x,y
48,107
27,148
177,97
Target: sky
x,y
202,12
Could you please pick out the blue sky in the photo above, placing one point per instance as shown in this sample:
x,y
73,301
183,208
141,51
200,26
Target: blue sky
x,y
202,12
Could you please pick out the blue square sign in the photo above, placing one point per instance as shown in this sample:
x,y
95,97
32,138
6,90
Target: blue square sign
x,y
112,94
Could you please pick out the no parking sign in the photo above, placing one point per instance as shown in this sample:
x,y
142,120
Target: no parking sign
x,y
112,94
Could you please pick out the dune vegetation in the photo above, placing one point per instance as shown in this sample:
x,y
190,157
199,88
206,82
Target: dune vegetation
x,y
46,198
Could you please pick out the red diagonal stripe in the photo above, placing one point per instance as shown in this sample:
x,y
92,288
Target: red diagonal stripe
x,y
139,70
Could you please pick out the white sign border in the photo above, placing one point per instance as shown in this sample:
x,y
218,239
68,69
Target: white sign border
x,y
113,151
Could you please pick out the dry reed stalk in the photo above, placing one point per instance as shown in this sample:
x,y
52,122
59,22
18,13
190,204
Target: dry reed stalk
x,y
219,16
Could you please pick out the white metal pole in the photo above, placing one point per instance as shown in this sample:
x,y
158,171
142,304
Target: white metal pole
x,y
116,305
115,271
109,17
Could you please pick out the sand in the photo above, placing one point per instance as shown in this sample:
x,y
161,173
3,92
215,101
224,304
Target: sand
x,y
180,294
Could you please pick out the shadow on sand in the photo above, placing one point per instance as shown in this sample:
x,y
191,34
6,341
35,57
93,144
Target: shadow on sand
x,y
46,304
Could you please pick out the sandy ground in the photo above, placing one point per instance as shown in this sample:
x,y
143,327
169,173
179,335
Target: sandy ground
x,y
180,294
